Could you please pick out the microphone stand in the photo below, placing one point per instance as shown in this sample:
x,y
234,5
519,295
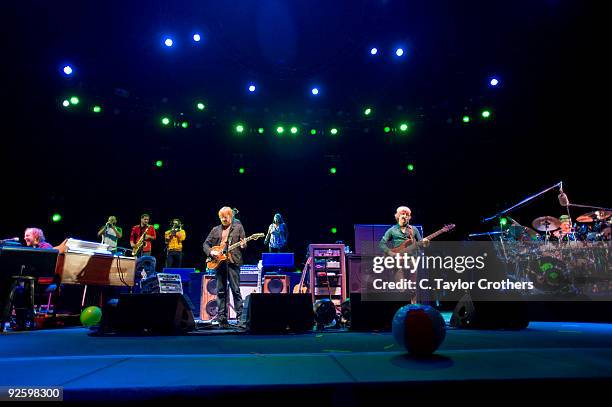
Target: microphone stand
x,y
524,201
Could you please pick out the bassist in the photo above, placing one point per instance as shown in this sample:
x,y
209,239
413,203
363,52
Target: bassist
x,y
401,233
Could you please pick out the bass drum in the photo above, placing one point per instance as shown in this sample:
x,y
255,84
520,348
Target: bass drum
x,y
548,273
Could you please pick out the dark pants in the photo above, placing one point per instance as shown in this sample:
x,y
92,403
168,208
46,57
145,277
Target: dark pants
x,y
174,259
228,272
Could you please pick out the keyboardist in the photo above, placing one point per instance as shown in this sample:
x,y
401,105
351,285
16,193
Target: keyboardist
x,y
34,237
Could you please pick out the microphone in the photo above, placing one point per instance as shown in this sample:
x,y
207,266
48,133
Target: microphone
x,y
563,201
12,239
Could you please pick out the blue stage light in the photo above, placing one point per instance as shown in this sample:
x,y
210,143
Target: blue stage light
x,y
168,42
251,88
374,51
494,82
68,70
196,37
399,52
315,91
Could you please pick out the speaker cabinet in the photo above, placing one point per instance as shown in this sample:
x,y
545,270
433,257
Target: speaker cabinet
x,y
276,284
158,314
502,314
279,313
208,305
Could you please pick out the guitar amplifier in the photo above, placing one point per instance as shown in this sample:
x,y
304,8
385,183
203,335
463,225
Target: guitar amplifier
x,y
162,283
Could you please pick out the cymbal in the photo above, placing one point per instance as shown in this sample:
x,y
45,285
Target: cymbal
x,y
593,216
546,223
586,218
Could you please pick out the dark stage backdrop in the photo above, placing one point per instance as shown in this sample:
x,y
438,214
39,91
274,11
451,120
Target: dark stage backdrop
x,y
548,123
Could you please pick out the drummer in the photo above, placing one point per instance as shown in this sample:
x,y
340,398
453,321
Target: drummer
x,y
565,232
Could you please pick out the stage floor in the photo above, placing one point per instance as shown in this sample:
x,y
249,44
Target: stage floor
x,y
340,365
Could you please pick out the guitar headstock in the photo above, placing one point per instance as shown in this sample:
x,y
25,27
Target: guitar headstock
x,y
257,236
449,227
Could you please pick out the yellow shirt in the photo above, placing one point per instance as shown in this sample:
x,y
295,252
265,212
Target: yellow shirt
x,y
176,242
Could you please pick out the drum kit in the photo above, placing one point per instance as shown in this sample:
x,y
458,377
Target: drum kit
x,y
557,255
592,226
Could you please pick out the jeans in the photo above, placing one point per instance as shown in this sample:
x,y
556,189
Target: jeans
x,y
228,272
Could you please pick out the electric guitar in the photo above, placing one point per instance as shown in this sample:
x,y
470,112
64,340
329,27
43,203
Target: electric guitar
x,y
411,244
213,262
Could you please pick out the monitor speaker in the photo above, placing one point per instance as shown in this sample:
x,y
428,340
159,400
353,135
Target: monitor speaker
x,y
279,313
158,314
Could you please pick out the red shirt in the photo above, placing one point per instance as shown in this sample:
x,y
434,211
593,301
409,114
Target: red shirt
x,y
137,231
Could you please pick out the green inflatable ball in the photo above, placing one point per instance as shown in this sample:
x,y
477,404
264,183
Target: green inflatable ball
x,y
91,316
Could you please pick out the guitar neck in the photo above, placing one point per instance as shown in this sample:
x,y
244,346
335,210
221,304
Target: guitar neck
x,y
235,245
435,234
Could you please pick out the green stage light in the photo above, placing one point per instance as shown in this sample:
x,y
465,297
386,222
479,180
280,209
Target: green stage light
x,y
74,100
466,119
333,170
313,131
96,109
334,131
294,130
241,170
486,114
387,129
403,127
280,129
159,163
165,121
56,217
410,167
185,125
240,128
503,221
333,230
156,226
260,130
367,111
200,106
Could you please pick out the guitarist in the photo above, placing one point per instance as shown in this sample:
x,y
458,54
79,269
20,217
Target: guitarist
x,y
398,234
137,233
227,233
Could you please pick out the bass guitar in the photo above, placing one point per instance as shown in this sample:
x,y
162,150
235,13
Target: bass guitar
x,y
213,262
410,244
